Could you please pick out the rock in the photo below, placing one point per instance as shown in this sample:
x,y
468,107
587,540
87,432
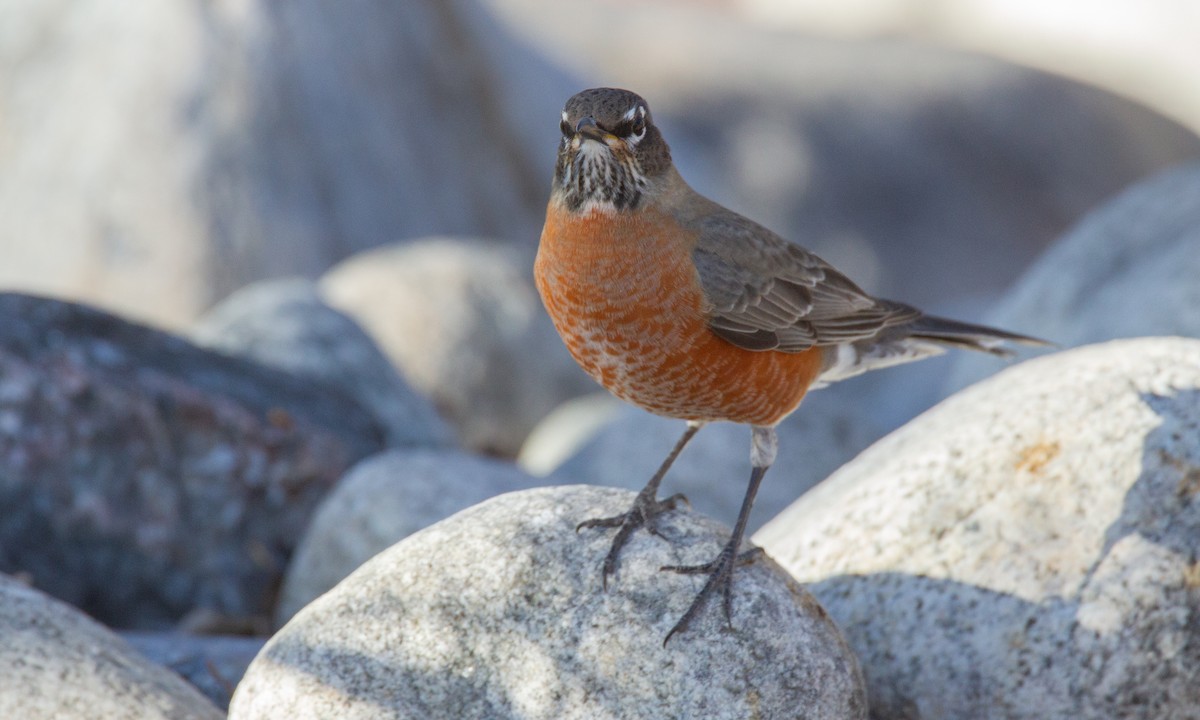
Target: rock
x,y
382,500
213,664
285,324
498,612
1026,549
462,321
191,148
825,433
143,477
58,664
1128,269
564,432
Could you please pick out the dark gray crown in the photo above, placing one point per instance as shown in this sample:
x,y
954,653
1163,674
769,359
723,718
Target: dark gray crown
x,y
607,106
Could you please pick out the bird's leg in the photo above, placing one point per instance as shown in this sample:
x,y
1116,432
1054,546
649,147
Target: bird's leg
x,y
645,508
720,571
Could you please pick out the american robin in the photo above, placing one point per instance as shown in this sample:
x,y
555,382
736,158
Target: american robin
x,y
690,310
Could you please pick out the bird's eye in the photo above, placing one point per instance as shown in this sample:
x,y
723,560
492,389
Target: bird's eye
x,y
637,125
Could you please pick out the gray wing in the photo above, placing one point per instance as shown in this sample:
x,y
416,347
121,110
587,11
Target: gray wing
x,y
765,293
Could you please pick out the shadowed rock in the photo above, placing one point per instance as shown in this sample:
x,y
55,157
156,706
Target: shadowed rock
x,y
213,664
285,324
143,477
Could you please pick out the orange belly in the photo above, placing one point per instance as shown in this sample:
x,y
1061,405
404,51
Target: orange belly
x,y
623,293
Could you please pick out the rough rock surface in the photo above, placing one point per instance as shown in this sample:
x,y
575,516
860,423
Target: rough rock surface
x,y
1028,548
189,148
213,664
382,500
58,664
143,477
498,612
463,322
825,433
1129,269
285,324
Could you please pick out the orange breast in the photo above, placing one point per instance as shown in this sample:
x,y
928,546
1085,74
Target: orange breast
x,y
623,293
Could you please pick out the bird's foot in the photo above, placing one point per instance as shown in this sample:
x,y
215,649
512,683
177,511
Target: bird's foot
x,y
644,513
720,577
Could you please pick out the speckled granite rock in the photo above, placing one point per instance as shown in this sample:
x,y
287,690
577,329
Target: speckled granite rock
x,y
142,477
1026,549
498,612
58,664
382,500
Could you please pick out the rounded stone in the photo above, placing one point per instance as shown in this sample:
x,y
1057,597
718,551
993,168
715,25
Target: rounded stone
x,y
462,321
499,612
285,324
382,500
1026,549
58,664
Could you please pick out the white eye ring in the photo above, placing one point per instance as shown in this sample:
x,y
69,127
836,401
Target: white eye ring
x,y
636,112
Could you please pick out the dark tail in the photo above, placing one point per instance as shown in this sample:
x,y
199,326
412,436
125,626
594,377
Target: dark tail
x,y
967,336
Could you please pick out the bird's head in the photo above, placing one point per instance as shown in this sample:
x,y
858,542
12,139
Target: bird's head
x,y
611,154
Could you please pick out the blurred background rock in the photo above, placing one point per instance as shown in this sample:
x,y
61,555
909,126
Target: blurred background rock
x,y
154,158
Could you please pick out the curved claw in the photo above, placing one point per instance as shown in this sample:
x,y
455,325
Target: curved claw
x,y
642,514
720,574
614,521
746,558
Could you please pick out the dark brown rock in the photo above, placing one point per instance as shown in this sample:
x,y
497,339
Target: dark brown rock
x,y
142,477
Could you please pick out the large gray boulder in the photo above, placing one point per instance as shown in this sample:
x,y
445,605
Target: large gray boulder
x,y
58,664
498,612
143,477
826,432
1131,268
285,324
462,320
1026,549
187,149
379,502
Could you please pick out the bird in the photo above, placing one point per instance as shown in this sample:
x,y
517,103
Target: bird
x,y
692,311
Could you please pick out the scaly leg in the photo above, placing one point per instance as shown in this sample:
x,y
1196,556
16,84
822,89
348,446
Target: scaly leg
x,y
720,570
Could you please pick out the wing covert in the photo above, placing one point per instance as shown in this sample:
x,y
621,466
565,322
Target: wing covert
x,y
765,293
